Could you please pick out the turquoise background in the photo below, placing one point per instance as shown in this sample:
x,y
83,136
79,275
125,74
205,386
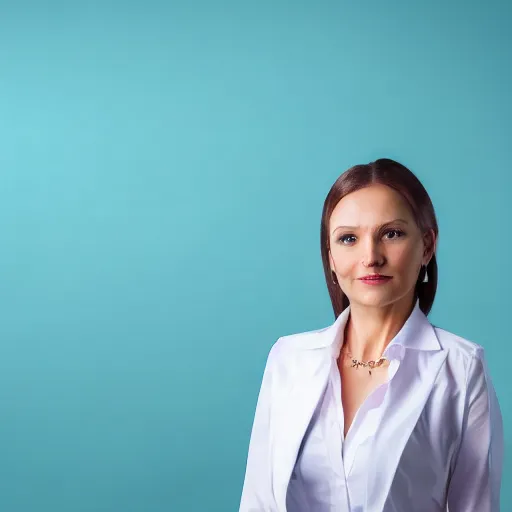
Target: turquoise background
x,y
163,167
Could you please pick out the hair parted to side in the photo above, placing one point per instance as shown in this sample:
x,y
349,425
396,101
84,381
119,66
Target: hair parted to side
x,y
383,171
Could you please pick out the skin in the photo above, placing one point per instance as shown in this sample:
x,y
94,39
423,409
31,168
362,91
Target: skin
x,y
377,313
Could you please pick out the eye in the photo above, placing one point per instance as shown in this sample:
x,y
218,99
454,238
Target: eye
x,y
392,234
397,232
343,238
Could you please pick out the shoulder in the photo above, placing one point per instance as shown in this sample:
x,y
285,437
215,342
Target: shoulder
x,y
291,343
458,346
463,354
288,350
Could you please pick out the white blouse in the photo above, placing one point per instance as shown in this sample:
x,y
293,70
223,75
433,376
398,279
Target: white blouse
x,y
327,466
430,439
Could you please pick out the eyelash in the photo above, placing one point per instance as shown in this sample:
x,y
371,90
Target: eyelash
x,y
399,231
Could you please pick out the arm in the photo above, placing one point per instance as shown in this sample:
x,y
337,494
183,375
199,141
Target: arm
x,y
476,478
257,489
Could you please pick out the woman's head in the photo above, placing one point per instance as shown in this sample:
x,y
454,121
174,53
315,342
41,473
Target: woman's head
x,y
378,218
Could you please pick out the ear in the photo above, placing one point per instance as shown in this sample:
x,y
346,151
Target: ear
x,y
331,261
430,244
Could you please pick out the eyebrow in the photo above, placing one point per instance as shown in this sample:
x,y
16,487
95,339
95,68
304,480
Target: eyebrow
x,y
378,227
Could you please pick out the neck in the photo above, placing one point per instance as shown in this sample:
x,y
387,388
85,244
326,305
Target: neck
x,y
370,329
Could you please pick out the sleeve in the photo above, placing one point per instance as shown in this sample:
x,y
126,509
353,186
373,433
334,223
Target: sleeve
x,y
257,493
476,478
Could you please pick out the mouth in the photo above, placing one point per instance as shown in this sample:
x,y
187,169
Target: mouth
x,y
375,279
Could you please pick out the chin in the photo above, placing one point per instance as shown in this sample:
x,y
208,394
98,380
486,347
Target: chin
x,y
375,299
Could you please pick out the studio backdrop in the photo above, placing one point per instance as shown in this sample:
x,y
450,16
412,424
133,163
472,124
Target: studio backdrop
x,y
163,166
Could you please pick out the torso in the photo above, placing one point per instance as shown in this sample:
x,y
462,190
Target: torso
x,y
356,385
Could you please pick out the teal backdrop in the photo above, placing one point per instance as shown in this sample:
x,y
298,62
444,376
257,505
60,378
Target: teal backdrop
x,y
163,167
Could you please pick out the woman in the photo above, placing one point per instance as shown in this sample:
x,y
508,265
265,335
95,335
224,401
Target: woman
x,y
380,411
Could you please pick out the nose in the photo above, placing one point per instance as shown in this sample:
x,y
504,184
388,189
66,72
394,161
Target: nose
x,y
372,254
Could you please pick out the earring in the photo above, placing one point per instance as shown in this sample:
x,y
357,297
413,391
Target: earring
x,y
425,279
333,277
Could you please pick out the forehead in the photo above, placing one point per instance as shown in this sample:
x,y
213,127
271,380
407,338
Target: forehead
x,y
369,206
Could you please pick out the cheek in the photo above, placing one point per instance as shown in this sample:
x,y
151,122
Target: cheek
x,y
408,252
407,259
346,266
402,254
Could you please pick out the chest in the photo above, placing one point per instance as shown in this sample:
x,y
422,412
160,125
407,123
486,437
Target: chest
x,y
356,386
330,470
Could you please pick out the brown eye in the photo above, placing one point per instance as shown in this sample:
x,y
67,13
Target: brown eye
x,y
397,232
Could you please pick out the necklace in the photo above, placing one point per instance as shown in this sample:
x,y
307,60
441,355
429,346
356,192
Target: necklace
x,y
356,363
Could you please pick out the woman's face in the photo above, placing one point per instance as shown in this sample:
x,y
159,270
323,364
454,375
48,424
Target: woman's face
x,y
373,231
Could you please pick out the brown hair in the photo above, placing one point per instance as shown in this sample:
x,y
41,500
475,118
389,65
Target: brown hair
x,y
393,174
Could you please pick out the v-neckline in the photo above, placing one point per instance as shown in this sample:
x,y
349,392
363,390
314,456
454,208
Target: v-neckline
x,y
339,402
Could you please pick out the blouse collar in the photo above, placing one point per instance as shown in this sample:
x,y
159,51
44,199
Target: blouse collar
x,y
416,333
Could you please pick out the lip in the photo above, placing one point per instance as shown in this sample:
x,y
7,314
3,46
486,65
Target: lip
x,y
375,279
